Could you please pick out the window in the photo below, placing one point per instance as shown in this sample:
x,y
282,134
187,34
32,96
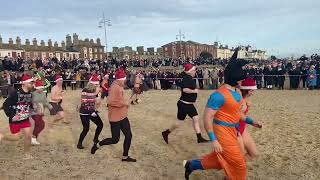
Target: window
x,y
101,49
95,50
9,54
85,55
100,56
90,50
166,49
96,56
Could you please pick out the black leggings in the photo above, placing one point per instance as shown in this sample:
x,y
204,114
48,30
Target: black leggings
x,y
124,126
85,119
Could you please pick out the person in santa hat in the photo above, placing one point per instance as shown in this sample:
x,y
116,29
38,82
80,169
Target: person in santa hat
x,y
90,102
41,76
56,101
245,139
117,115
39,102
18,108
105,86
189,93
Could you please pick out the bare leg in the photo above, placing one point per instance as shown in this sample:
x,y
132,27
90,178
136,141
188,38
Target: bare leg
x,y
249,145
196,127
241,144
1,136
27,139
176,125
196,124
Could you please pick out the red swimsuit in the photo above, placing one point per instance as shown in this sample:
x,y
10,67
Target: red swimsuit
x,y
243,123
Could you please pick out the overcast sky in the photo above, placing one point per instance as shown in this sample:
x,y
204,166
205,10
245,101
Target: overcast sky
x,y
282,27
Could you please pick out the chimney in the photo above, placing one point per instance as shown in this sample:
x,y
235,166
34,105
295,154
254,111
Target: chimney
x,y
98,42
0,41
68,40
50,43
42,43
56,44
18,42
91,41
27,42
10,42
63,45
75,39
34,42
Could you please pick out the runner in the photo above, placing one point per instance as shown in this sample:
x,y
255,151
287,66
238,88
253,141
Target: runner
x,y
245,139
137,89
88,110
41,76
186,103
105,86
56,101
17,107
222,116
39,102
117,113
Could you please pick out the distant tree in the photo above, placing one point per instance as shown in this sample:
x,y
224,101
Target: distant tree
x,y
206,55
273,58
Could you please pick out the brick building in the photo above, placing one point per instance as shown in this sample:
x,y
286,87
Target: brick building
x,y
69,49
186,49
193,50
128,53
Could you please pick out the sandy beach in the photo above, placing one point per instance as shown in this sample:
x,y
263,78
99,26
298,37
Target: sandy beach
x,y
289,142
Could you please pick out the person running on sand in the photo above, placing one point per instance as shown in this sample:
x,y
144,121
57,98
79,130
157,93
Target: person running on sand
x,y
39,102
246,141
222,116
105,86
90,102
137,89
117,113
186,103
17,107
56,101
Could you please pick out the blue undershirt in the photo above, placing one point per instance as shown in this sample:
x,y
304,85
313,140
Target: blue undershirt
x,y
216,100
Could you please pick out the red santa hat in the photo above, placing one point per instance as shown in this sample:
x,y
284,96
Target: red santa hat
x,y
248,84
58,78
95,79
39,84
120,74
26,78
189,67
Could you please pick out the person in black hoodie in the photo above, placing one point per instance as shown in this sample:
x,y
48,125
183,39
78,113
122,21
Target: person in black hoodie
x,y
189,93
17,107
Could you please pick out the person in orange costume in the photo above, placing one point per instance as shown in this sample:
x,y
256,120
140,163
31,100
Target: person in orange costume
x,y
221,119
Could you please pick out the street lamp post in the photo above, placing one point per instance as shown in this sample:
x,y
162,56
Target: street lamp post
x,y
104,23
179,37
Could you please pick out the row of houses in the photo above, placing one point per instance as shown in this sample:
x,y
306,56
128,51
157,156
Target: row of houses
x,y
72,48
187,49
